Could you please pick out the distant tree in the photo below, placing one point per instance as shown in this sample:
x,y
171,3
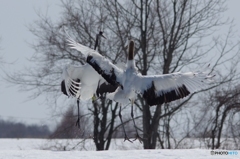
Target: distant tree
x,y
10,129
170,36
67,128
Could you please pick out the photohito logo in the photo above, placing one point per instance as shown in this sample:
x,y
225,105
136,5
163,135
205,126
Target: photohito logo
x,y
224,153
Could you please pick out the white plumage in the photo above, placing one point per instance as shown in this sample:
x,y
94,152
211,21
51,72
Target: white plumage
x,y
81,82
156,89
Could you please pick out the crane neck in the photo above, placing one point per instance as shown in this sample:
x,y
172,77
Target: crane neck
x,y
130,61
96,42
131,50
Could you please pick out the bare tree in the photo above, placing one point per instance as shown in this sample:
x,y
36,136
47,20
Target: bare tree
x,y
223,105
103,129
170,36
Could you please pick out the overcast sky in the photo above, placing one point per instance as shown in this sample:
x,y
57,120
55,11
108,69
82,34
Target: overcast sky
x,y
15,16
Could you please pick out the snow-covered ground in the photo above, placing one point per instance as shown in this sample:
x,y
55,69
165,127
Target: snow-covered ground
x,y
45,149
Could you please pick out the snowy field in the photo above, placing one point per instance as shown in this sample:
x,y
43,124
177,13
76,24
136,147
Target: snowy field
x,y
46,149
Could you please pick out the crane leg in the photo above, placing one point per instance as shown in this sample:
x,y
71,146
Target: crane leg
x,y
120,116
132,115
78,120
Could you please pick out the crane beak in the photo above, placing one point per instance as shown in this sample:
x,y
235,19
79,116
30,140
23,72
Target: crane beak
x,y
102,35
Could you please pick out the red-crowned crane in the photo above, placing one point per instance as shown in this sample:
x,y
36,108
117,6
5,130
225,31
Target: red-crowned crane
x,y
83,82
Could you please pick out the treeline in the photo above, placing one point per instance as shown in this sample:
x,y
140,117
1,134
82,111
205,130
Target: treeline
x,y
67,129
11,129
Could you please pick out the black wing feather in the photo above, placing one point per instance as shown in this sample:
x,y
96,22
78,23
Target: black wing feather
x,y
105,88
153,99
110,78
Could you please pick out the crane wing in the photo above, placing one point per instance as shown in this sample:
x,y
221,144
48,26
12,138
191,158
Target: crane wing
x,y
165,88
110,72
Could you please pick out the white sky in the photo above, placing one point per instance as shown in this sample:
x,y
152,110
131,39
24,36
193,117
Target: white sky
x,y
15,16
